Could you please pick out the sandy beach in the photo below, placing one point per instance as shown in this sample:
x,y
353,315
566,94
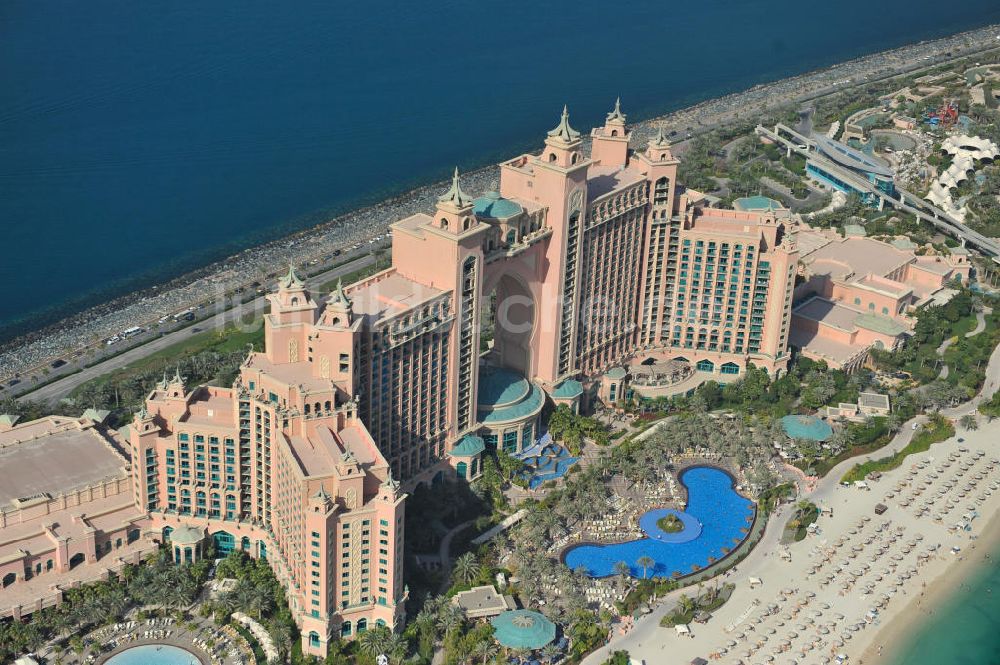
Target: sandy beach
x,y
861,580
894,637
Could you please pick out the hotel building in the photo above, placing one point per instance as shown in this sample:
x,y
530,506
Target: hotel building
x,y
577,265
576,268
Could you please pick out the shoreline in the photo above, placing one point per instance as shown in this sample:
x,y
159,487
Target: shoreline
x,y
939,594
71,336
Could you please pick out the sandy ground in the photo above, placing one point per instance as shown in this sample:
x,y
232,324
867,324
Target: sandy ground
x,y
835,591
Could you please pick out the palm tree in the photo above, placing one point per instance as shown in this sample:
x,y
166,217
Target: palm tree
x,y
550,652
968,422
685,604
466,568
485,650
282,636
450,619
395,648
623,571
645,562
521,654
373,642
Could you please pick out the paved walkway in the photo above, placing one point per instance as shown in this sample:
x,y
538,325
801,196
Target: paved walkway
x,y
445,555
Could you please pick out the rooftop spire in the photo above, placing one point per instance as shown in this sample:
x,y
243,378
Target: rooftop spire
x,y
338,296
291,279
661,140
616,114
563,131
455,195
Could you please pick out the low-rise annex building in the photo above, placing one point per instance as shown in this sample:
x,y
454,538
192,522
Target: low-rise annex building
x,y
856,293
67,513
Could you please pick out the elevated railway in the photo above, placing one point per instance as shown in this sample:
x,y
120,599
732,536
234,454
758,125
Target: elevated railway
x,y
901,199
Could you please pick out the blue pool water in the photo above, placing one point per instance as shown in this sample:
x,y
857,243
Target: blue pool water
x,y
546,460
725,519
806,427
154,654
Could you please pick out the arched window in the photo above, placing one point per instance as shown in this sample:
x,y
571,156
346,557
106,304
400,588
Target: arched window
x,y
706,366
307,408
345,629
552,156
9,579
380,622
661,191
511,237
48,565
467,223
462,469
295,301
576,157
313,639
614,132
444,225
326,405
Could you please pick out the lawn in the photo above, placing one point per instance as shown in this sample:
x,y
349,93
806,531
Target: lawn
x,y
222,342
937,430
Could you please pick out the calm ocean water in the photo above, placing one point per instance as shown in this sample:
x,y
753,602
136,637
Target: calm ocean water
x,y
964,631
141,139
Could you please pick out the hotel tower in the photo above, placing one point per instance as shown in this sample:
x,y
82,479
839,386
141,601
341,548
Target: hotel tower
x,y
493,306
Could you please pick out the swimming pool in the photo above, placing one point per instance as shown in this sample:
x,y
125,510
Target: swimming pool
x,y
724,516
806,427
154,654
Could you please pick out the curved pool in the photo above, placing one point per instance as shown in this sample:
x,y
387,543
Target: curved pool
x,y
724,516
154,654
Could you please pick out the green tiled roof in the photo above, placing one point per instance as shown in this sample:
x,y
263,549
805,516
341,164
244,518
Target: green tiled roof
x,y
469,446
755,203
568,389
494,206
881,324
523,629
530,404
500,387
97,415
615,373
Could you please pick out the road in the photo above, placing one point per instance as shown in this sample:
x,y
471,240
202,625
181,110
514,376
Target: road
x,y
57,390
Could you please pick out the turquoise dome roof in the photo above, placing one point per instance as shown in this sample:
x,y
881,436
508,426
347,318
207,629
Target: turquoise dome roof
x,y
495,206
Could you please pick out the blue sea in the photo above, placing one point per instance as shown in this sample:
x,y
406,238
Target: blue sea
x,y
963,631
139,140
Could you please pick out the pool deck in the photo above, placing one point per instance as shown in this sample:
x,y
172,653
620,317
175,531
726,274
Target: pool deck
x,y
718,564
178,642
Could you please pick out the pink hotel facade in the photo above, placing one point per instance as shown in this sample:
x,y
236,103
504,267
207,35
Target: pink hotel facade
x,y
576,264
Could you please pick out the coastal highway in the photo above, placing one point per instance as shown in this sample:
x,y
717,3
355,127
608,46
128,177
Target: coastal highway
x,y
60,388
